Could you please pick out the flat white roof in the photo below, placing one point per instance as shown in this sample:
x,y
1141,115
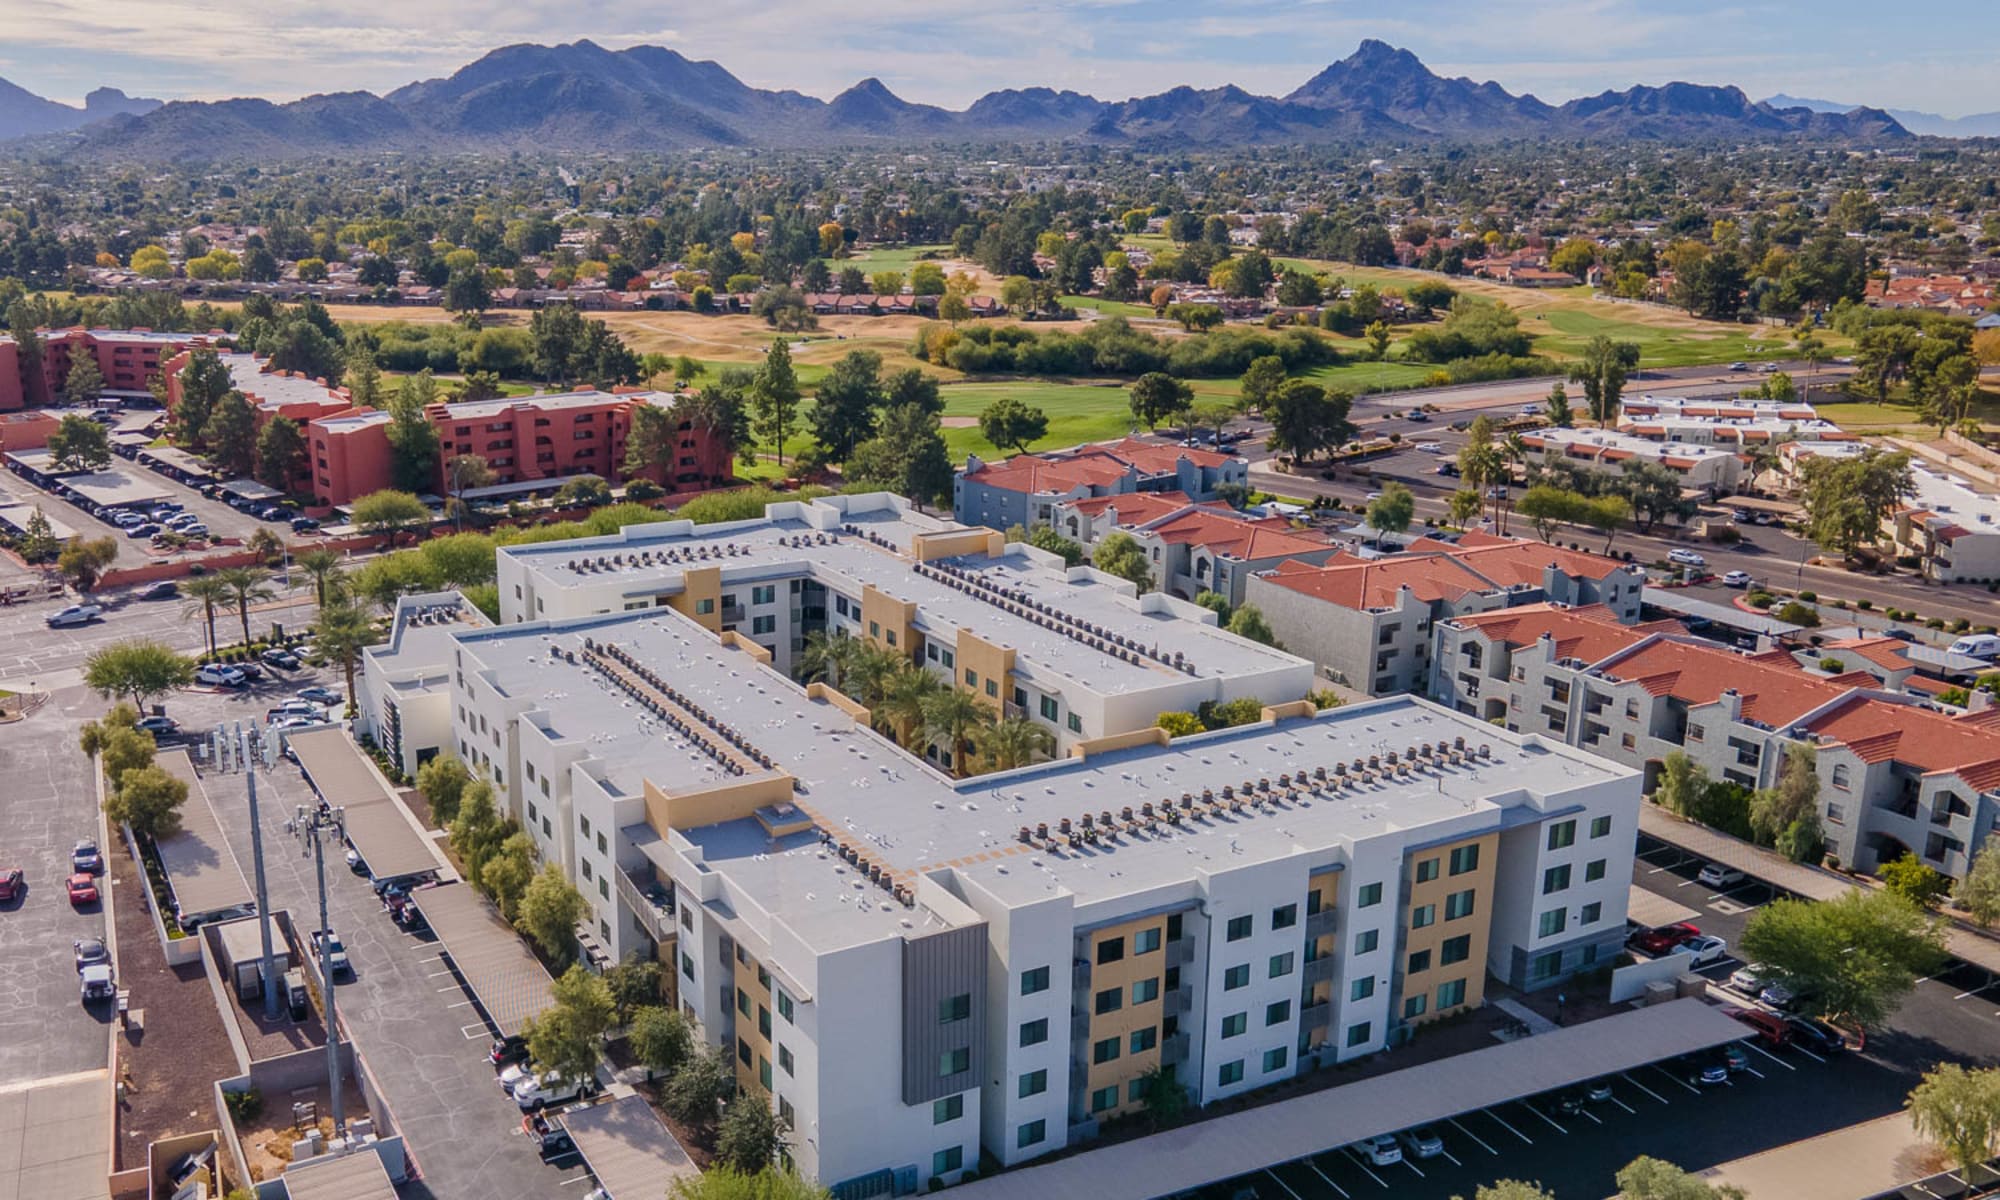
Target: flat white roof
x,y
1955,500
1607,439
271,388
115,485
201,868
629,1151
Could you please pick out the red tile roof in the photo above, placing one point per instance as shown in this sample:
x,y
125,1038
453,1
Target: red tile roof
x,y
1586,634
1234,537
1511,560
1773,695
1878,730
1158,460
1373,583
1132,508
1887,653
1033,473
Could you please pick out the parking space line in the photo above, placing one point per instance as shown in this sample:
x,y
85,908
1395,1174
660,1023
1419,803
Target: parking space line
x,y
1626,1076
472,1032
1593,1116
1756,1072
1546,1117
1454,1158
1677,1079
1281,1183
1509,1128
460,1004
1364,1166
1767,1054
1977,990
1809,1054
1628,1108
1314,1168
1468,1133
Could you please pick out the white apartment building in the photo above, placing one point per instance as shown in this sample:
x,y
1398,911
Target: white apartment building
x,y
914,969
402,701
1953,529
1192,548
1710,468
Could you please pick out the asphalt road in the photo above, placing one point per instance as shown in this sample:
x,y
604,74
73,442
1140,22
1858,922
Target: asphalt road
x,y
33,656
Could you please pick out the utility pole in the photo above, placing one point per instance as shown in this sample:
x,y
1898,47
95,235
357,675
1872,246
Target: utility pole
x,y
314,826
269,964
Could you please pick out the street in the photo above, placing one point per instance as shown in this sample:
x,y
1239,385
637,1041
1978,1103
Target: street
x,y
35,657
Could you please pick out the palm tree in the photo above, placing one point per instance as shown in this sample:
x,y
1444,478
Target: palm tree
x,y
871,674
204,594
953,716
905,690
1014,742
830,656
1479,465
324,567
1513,450
246,587
341,633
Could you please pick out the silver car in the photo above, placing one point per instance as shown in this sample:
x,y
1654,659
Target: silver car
x,y
1421,1142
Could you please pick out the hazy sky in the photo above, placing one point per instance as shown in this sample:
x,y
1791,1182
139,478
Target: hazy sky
x,y
950,51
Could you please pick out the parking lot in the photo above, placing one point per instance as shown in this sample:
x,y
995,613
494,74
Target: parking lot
x,y
32,653
418,1030
47,804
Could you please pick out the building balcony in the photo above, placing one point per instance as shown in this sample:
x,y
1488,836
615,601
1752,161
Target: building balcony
x,y
1316,1016
733,612
650,901
1319,970
1174,1050
1321,923
1180,953
1178,1002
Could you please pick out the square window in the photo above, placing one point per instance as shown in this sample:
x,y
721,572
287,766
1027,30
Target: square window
x,y
785,1060
1593,870
944,1162
1274,1060
1554,921
1361,988
1419,962
1455,950
1030,1134
1228,1073
1555,879
951,1108
1357,1035
1458,905
1075,723
1110,1000
1034,1083
1545,966
1427,870
1049,710
1451,995
785,1009
1368,895
955,1062
1239,928
1104,1050
1146,991
1590,914
1367,940
1562,834
1034,980
1414,1006
1145,1039
1600,827
1035,1032
1423,916
1285,917
1236,977
1465,859
1104,1098
955,1008
1110,950
1234,1024
1278,1013
1281,965
1146,941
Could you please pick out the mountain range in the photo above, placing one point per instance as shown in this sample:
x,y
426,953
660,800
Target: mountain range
x,y
1923,123
24,114
582,97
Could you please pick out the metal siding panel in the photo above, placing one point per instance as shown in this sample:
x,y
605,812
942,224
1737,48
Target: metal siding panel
x,y
941,965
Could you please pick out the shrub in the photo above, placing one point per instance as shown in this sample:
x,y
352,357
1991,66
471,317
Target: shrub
x,y
1794,613
1960,625
1761,600
1832,666
1810,597
1864,605
244,1105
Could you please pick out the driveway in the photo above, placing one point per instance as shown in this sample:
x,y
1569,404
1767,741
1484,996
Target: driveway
x,y
32,653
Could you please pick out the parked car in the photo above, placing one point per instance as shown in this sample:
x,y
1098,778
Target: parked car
x,y
326,944
1380,1150
1597,1091
220,675
1749,978
1735,1059
97,983
1778,996
12,883
1421,1142
541,1091
1702,950
182,521
1770,1028
1717,875
86,857
355,862
1686,557
507,1051
556,1146
1448,468
1736,579
145,530
1661,940
274,512
194,529
304,525
517,1074
1739,366
159,727
83,888
1978,645
1901,635
1419,415
251,670
1811,1033
125,518
280,658
321,695
1703,1072
89,952
165,589
75,614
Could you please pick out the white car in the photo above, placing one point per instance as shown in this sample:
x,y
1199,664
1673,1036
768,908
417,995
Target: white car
x,y
97,984
1749,978
218,675
298,708
1380,1150
75,614
513,1076
1736,579
1717,875
1702,950
540,1092
1686,557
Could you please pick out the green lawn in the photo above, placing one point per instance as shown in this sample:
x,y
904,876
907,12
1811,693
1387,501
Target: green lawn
x,y
1078,412
1659,346
889,258
1110,308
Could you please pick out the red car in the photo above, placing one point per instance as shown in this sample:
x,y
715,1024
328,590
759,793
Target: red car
x,y
1770,1028
12,883
1659,941
82,889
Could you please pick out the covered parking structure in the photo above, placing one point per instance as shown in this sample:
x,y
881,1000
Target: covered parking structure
x,y
202,871
628,1150
356,1176
509,983
1269,1135
378,827
1650,910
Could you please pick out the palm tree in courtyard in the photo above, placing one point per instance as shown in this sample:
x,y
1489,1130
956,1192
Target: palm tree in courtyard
x,y
952,717
1014,742
906,689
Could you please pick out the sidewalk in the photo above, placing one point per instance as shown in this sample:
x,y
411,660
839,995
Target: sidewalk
x,y
1847,1164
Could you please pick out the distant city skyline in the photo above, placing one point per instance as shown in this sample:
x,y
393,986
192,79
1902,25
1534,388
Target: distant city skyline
x,y
949,52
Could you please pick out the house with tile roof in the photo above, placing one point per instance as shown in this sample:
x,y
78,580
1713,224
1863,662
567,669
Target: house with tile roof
x,y
1711,469
1194,548
1367,621
1895,774
1024,490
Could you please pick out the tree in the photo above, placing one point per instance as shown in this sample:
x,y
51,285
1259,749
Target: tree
x,y
142,670
1216,603
413,440
467,294
1392,511
584,491
1682,782
897,692
1602,372
1510,1189
749,1139
1195,318
1162,1097
1180,724
550,910
567,1037
1248,622
1045,538
1559,413
557,333
477,830
1789,812
907,456
38,539
281,453
1010,421
954,307
81,562
506,873
1547,507
443,780
78,443
341,632
1307,419
660,1039
1260,383
774,397
1118,554
952,716
1909,878
231,435
148,799
1856,955
1847,499
1158,397
1465,505
1377,335
847,402
696,1091
1646,1178
311,270
204,594
1978,893
1959,1109
634,984
388,511
247,586
85,381
1014,742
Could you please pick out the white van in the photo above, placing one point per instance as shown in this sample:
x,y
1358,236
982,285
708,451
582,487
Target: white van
x,y
1978,645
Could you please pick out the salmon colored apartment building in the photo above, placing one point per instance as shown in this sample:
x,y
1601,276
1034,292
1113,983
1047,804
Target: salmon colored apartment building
x,y
129,359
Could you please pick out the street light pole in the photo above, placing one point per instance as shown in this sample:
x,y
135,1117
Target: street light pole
x,y
269,965
314,826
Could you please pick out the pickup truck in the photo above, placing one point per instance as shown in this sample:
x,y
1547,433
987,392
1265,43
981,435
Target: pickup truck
x,y
334,953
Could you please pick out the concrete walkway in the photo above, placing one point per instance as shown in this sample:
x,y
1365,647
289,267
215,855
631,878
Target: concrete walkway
x,y
1847,1164
1536,1022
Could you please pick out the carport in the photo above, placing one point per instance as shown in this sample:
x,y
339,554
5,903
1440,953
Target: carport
x,y
201,869
1272,1134
357,1176
384,835
506,980
1650,910
627,1148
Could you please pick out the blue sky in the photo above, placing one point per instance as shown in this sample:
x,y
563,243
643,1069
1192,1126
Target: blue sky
x,y
950,51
